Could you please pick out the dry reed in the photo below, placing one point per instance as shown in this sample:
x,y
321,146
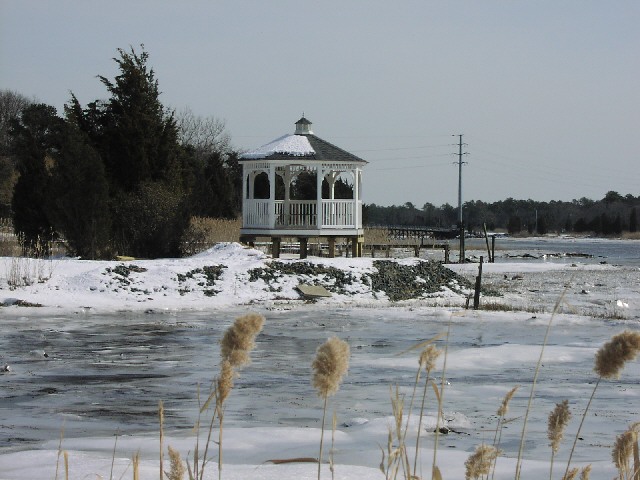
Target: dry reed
x,y
571,474
204,232
556,309
236,344
479,463
558,421
161,420
610,359
585,473
427,361
614,354
177,470
329,367
625,449
502,413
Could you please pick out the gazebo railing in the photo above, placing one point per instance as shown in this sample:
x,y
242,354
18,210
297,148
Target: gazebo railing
x,y
298,214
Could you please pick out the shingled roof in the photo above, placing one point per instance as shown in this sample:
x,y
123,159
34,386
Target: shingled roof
x,y
302,145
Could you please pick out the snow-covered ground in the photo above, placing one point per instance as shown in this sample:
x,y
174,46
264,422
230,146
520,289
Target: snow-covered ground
x,y
120,336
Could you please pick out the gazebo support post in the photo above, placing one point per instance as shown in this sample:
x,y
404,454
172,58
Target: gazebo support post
x,y
332,246
304,243
275,247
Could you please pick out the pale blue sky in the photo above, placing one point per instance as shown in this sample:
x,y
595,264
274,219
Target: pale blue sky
x,y
547,93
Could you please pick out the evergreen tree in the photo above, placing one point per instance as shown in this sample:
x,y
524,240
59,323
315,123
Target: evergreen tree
x,y
36,138
542,226
633,220
79,193
137,140
140,137
514,225
151,220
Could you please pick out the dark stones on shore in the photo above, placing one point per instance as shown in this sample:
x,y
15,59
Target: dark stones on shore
x,y
406,282
397,281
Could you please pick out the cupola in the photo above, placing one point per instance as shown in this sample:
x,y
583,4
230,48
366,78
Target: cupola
x,y
303,127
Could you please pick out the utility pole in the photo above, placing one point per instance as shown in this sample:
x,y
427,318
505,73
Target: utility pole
x,y
461,256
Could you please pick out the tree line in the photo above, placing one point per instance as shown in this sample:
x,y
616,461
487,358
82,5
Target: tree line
x,y
117,176
612,215
124,175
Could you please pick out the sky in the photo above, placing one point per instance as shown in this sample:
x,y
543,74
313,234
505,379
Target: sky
x,y
544,93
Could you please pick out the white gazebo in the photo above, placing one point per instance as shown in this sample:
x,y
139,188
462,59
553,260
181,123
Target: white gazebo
x,y
289,190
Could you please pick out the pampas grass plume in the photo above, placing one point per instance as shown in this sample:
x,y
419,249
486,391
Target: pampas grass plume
x,y
571,474
586,473
613,355
623,450
558,421
329,366
480,461
177,467
504,408
225,381
428,357
239,339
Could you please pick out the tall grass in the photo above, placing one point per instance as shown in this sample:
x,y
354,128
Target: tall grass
x,y
204,232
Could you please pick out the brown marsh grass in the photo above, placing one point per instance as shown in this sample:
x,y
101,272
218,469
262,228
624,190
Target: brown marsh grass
x,y
204,232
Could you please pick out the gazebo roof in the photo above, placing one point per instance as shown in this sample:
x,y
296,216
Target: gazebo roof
x,y
301,146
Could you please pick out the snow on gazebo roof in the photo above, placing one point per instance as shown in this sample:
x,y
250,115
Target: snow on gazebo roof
x,y
302,144
291,145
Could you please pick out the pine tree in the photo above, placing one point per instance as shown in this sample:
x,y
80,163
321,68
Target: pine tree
x,y
633,220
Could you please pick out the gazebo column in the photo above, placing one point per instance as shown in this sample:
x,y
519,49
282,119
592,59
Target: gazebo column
x,y
272,196
319,207
356,197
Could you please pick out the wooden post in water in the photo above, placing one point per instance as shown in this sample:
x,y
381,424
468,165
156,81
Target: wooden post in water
x,y
493,249
486,239
476,295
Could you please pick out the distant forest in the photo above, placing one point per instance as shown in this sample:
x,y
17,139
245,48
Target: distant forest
x,y
612,215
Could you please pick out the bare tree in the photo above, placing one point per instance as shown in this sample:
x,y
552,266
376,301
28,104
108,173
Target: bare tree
x,y
205,135
11,104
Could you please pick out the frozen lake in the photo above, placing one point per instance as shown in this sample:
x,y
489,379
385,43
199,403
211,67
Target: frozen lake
x,y
104,374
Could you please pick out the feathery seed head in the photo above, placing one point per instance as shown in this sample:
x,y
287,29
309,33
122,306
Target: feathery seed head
x,y
177,467
479,462
585,474
225,381
571,474
504,408
239,339
558,421
428,357
613,355
330,365
623,450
